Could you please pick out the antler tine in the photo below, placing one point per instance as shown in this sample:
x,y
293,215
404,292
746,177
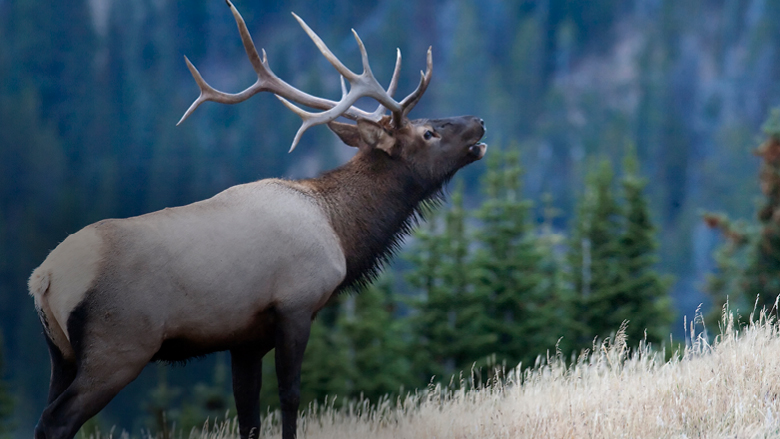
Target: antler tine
x,y
249,45
380,110
425,79
208,93
362,85
396,73
332,59
369,82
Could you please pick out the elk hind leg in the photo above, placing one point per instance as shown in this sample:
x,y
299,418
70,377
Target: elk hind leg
x,y
63,371
95,383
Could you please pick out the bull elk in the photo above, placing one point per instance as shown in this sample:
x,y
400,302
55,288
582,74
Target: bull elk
x,y
248,269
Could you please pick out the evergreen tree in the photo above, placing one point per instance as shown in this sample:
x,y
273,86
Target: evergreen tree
x,y
612,257
379,342
511,269
726,284
645,299
326,369
450,323
561,306
159,405
762,276
430,307
473,341
595,257
749,261
210,401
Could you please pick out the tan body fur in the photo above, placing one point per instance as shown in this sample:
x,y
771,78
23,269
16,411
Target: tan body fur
x,y
209,267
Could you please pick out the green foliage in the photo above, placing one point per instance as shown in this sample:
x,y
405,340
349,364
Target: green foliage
x,y
612,257
762,275
327,367
771,126
450,322
748,262
645,293
379,342
172,411
595,257
515,269
211,401
161,412
726,286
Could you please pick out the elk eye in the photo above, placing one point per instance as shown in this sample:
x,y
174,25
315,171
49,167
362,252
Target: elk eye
x,y
428,134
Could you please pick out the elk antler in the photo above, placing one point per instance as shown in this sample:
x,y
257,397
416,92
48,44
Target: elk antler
x,y
363,85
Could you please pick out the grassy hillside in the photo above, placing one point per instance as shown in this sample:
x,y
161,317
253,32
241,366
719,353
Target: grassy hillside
x,y
727,388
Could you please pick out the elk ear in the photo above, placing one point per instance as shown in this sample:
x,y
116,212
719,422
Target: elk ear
x,y
348,133
374,135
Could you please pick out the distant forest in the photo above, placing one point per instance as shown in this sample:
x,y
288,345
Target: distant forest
x,y
91,90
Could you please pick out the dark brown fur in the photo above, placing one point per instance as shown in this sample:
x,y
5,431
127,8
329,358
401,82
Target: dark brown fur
x,y
370,218
377,197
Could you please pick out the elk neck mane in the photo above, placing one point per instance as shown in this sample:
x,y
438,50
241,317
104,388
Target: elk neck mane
x,y
373,201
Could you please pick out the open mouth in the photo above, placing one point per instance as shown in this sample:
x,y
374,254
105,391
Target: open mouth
x,y
477,151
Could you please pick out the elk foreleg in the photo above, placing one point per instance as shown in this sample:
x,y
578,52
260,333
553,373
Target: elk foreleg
x,y
247,369
292,334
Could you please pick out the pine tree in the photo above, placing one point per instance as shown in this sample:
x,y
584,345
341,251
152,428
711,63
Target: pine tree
x,y
748,263
561,305
379,342
645,299
431,307
612,254
326,369
474,340
595,257
762,276
511,271
450,321
726,284
161,414
208,400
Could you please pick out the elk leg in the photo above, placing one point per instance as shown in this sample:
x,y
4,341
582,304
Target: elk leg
x,y
292,334
89,392
247,369
63,372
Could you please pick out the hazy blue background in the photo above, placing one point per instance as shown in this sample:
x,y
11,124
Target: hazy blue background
x,y
90,91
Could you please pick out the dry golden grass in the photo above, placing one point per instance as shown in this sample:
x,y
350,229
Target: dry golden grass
x,y
729,388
